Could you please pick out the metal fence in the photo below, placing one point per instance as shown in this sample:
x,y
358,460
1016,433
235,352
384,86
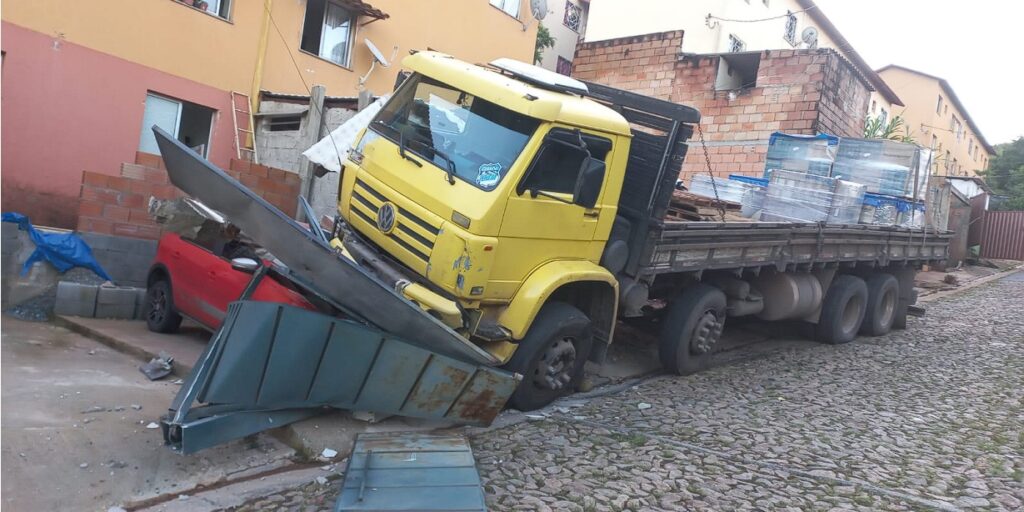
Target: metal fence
x,y
1002,235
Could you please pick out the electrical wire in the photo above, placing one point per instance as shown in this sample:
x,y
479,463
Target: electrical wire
x,y
788,14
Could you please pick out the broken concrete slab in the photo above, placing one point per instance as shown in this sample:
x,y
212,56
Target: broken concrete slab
x,y
48,380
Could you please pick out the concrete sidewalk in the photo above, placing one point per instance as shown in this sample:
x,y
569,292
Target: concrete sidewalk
x,y
131,337
74,428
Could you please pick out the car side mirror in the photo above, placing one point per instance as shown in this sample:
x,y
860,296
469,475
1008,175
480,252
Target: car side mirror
x,y
588,184
247,265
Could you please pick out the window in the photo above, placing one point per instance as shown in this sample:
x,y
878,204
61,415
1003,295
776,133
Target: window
x,y
284,123
737,71
790,33
948,161
935,141
188,122
970,147
883,116
511,7
564,66
573,16
328,31
558,163
956,127
874,106
218,8
475,140
735,45
938,106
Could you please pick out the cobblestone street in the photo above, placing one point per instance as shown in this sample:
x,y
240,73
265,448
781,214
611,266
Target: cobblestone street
x,y
930,418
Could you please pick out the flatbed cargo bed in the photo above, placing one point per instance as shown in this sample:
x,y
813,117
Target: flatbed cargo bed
x,y
676,246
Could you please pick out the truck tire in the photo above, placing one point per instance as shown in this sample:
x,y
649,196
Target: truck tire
x,y
842,311
160,313
883,301
551,356
693,324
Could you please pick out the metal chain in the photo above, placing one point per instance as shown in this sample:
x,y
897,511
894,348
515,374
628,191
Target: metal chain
x,y
707,161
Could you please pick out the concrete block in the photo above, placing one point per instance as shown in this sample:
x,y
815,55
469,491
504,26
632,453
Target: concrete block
x,y
116,302
76,299
140,303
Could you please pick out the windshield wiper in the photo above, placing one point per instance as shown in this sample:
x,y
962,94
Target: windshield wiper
x,y
449,163
401,142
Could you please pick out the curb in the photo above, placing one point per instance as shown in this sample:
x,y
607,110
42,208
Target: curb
x,y
972,284
179,369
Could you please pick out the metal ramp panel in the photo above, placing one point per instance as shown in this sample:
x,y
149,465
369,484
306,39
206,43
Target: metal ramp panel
x,y
411,472
271,364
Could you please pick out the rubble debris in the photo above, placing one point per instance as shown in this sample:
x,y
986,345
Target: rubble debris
x,y
643,406
329,453
322,480
137,407
83,465
152,425
93,409
158,367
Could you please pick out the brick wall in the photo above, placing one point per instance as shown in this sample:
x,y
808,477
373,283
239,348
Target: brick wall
x,y
796,91
118,205
643,64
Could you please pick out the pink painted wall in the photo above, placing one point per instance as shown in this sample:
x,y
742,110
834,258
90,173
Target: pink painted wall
x,y
68,109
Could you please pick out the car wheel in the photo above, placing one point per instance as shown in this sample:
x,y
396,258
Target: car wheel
x,y
159,312
883,301
551,356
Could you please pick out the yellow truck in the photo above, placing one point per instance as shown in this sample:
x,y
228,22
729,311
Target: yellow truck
x,y
495,223
526,210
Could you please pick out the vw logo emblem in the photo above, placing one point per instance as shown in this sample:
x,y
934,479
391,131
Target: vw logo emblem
x,y
386,217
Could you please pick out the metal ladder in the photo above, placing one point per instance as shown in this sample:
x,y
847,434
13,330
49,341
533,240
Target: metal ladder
x,y
245,137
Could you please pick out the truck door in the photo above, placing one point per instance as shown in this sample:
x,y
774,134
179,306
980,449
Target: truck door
x,y
549,214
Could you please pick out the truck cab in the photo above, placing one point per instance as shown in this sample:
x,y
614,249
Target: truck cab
x,y
485,195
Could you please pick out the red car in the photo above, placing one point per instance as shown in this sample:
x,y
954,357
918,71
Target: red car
x,y
194,278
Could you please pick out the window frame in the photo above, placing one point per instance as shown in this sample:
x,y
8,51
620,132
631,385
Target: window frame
x,y
572,7
522,185
501,4
353,19
733,41
230,8
790,38
938,106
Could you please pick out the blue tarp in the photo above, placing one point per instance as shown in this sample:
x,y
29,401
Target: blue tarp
x,y
63,250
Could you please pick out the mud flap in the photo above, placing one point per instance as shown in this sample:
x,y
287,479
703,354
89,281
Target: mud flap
x,y
360,293
272,364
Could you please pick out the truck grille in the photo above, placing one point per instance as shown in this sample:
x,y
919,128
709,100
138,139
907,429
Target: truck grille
x,y
411,232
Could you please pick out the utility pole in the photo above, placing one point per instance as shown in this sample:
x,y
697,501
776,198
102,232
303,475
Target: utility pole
x,y
311,132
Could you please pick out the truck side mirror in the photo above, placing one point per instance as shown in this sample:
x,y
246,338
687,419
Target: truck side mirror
x,y
588,183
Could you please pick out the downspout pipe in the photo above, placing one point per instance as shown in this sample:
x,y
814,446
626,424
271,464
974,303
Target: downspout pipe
x,y
261,56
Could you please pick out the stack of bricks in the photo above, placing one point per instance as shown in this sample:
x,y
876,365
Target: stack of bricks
x,y
796,91
118,205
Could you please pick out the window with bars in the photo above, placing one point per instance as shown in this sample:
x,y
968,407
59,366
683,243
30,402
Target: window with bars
x,y
790,33
735,44
573,16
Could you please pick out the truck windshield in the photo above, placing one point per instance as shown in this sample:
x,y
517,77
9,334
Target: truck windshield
x,y
472,138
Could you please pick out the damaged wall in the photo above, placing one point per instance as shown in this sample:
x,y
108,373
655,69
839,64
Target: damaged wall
x,y
118,205
794,91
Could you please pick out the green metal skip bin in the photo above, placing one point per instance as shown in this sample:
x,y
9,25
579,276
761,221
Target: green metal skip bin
x,y
411,472
272,364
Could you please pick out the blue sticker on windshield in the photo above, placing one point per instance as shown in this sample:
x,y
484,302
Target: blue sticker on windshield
x,y
489,175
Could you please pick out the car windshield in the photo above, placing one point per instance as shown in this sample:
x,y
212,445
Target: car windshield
x,y
472,138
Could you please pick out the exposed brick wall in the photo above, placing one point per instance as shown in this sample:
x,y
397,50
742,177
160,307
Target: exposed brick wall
x,y
644,64
797,91
118,205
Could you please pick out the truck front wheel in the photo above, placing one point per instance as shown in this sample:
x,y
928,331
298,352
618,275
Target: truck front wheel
x,y
693,325
551,356
842,311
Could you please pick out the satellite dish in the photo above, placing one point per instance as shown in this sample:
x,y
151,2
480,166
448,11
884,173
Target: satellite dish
x,y
539,8
810,37
377,55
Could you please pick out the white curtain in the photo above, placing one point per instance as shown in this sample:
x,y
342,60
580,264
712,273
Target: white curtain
x,y
337,32
509,6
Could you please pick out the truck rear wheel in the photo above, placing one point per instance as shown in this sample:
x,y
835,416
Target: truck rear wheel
x,y
883,301
842,311
693,325
551,356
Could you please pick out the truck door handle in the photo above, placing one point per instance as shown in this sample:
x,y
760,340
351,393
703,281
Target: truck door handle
x,y
592,213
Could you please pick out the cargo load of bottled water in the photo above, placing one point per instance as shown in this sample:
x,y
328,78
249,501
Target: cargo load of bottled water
x,y
802,197
811,154
885,167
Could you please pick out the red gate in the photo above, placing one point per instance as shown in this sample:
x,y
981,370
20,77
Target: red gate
x,y
1002,235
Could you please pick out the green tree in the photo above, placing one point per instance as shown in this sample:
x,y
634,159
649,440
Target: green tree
x,y
895,129
1005,175
544,40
